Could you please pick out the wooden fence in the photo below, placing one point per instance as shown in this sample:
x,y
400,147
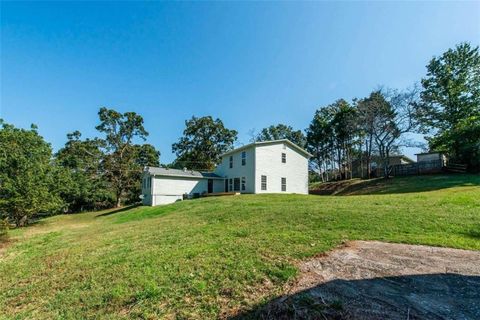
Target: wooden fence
x,y
435,166
412,169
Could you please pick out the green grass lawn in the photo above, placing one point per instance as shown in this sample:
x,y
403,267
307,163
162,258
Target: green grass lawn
x,y
209,257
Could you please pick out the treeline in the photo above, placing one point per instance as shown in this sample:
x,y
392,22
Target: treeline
x,y
104,172
345,137
86,174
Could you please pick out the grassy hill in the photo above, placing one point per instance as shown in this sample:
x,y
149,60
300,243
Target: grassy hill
x,y
211,257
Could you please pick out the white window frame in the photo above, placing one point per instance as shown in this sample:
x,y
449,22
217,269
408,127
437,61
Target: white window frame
x,y
244,158
283,184
284,157
230,162
263,185
243,184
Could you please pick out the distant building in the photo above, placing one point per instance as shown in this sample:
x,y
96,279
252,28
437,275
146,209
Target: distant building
x,y
278,166
432,156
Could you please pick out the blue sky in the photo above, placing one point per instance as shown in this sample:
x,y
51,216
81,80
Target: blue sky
x,y
250,64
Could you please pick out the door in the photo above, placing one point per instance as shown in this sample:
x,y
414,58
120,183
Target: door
x,y
210,185
236,184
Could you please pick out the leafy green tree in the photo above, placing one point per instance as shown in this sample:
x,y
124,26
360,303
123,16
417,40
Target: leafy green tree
x,y
203,141
26,176
450,102
320,140
83,187
281,131
145,155
119,164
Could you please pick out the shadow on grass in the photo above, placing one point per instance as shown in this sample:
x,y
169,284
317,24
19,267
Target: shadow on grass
x,y
118,210
397,184
429,296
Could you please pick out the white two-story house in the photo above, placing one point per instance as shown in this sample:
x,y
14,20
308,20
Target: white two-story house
x,y
277,166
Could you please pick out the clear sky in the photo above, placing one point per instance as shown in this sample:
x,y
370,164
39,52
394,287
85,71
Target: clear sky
x,y
250,64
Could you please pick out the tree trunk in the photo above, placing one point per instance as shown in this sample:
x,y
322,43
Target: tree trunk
x,y
118,201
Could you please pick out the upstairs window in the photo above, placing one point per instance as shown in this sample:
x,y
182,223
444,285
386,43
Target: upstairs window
x,y
244,184
264,183
284,157
284,184
231,162
244,158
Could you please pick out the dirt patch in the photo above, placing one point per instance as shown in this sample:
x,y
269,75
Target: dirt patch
x,y
376,280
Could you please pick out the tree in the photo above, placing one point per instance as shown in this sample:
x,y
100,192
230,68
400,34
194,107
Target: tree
x,y
366,112
83,187
450,101
331,138
281,131
119,164
345,131
203,141
26,177
145,155
320,140
394,116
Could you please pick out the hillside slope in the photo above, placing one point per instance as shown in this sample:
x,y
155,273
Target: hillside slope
x,y
211,257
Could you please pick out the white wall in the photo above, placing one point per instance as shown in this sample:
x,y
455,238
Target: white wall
x,y
428,157
269,163
178,185
171,189
239,171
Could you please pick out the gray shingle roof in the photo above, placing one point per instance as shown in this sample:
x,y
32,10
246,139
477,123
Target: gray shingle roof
x,y
181,173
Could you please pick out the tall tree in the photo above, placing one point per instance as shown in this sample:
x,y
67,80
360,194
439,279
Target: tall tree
x,y
344,126
450,101
85,187
282,131
120,164
394,117
26,177
204,140
320,140
145,155
366,116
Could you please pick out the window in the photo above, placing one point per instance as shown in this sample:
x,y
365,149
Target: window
x,y
284,157
231,161
264,183
244,158
244,184
230,184
236,184
284,184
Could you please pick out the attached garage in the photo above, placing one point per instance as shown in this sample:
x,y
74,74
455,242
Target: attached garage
x,y
163,186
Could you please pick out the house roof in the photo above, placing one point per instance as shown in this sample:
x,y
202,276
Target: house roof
x,y
156,171
401,156
262,143
431,152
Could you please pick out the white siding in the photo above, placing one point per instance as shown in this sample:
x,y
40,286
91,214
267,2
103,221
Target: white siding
x,y
165,185
269,163
239,171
